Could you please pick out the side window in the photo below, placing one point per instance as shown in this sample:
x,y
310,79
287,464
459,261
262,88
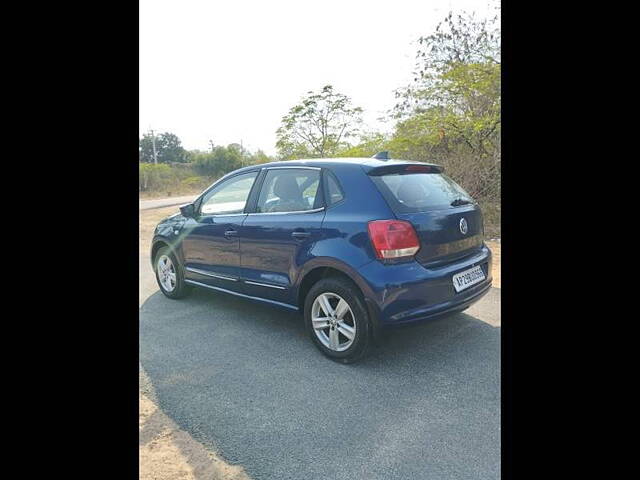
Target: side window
x,y
289,190
229,197
334,192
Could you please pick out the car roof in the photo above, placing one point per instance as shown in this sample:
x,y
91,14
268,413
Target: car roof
x,y
366,162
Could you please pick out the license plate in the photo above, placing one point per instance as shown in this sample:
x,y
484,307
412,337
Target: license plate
x,y
468,278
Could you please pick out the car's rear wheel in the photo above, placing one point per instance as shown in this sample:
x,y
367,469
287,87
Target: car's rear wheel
x,y
337,319
169,274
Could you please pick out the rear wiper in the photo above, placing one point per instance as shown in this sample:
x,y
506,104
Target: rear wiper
x,y
459,201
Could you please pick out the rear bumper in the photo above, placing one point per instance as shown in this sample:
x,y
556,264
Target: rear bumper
x,y
409,292
432,311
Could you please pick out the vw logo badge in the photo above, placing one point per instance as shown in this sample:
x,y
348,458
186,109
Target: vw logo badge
x,y
463,226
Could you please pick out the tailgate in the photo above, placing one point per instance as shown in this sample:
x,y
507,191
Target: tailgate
x,y
442,233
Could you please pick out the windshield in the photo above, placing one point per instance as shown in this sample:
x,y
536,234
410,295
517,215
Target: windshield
x,y
420,192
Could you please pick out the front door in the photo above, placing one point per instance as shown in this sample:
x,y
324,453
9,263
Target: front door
x,y
280,234
211,247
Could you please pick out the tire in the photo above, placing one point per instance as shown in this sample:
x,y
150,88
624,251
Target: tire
x,y
335,290
180,288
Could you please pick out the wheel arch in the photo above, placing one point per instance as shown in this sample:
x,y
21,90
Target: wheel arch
x,y
322,268
160,242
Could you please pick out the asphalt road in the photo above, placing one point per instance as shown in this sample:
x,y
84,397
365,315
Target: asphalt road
x,y
244,379
165,202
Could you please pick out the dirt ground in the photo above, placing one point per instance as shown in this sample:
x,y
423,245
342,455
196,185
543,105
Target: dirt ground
x,y
495,270
148,221
166,452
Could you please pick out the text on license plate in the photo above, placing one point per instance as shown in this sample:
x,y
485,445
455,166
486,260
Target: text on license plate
x,y
467,278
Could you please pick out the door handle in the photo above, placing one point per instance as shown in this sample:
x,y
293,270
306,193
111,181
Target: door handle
x,y
300,235
230,233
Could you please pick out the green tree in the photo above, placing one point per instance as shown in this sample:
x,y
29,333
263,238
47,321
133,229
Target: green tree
x,y
259,157
450,113
368,145
460,39
219,161
319,126
168,148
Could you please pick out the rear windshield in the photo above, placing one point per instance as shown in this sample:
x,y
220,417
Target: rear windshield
x,y
420,192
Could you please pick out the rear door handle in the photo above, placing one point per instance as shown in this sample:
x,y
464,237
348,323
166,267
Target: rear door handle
x,y
300,235
230,233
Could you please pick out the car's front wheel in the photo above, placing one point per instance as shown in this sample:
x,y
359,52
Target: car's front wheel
x,y
337,319
169,274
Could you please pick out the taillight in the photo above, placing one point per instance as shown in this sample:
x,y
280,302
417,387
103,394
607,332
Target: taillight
x,y
393,238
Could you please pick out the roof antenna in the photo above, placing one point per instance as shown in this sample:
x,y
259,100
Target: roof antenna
x,y
382,156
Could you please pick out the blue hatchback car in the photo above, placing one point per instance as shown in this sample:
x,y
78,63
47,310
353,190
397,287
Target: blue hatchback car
x,y
357,245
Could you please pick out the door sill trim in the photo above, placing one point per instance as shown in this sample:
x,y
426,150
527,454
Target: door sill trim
x,y
264,285
260,299
209,274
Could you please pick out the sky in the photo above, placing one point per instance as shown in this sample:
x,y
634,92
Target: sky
x,y
229,70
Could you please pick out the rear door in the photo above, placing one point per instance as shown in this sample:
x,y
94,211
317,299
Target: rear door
x,y
277,238
447,220
211,247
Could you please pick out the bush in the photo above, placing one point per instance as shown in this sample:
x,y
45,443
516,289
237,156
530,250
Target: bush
x,y
196,183
220,161
155,177
171,179
491,214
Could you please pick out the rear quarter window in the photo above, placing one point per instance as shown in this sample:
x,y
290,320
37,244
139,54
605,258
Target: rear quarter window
x,y
334,191
419,192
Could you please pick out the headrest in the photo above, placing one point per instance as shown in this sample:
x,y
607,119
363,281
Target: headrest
x,y
286,188
410,190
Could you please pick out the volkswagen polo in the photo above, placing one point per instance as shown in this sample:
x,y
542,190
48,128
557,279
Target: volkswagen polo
x,y
357,245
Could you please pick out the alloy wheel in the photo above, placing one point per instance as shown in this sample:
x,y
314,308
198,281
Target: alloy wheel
x,y
333,321
166,273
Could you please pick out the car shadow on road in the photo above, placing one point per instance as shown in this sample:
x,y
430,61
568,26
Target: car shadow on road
x,y
245,380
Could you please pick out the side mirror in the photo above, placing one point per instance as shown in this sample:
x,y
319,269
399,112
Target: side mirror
x,y
188,210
